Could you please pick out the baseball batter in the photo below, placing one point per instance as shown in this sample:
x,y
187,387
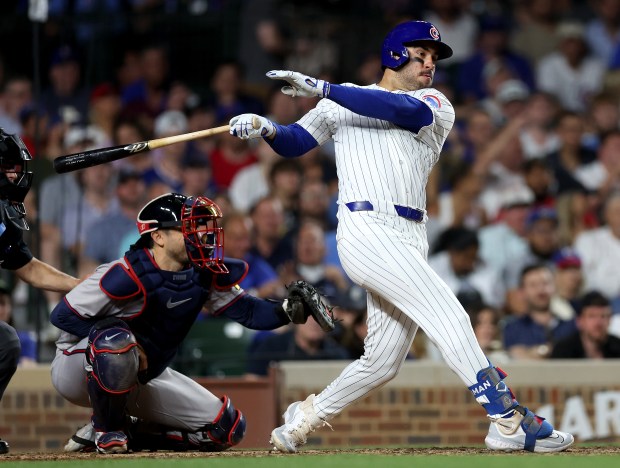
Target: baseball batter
x,y
123,324
388,137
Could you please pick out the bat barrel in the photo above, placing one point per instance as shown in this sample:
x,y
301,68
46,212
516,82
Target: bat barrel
x,y
76,161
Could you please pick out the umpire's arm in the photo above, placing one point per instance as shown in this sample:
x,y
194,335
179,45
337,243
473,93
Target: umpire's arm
x,y
43,276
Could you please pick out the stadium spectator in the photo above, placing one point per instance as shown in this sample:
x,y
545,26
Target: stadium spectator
x,y
196,176
271,240
571,73
228,157
571,162
568,284
285,177
485,322
106,238
599,250
309,262
493,51
147,96
539,179
603,30
301,343
261,280
104,109
501,166
456,261
60,192
66,100
603,117
504,240
460,206
591,340
535,35
229,99
506,101
168,160
542,244
251,183
127,131
538,136
350,312
15,95
458,26
531,335
604,173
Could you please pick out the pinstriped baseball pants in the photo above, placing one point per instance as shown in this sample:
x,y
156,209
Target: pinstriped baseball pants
x,y
386,255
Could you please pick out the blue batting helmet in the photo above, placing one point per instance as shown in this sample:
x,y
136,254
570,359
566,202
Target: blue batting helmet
x,y
394,53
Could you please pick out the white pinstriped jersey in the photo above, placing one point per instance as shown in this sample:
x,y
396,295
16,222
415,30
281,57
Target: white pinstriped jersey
x,y
378,161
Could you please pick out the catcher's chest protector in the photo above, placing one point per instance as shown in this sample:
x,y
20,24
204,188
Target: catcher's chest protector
x,y
172,301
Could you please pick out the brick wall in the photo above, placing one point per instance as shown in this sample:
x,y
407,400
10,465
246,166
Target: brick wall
x,y
34,417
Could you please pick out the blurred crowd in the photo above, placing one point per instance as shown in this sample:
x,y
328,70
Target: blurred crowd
x,y
523,207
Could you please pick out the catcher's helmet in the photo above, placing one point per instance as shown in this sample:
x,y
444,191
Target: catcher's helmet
x,y
15,179
196,218
394,53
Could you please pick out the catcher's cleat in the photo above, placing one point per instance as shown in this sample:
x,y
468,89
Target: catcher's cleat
x,y
83,440
299,420
4,447
525,431
111,442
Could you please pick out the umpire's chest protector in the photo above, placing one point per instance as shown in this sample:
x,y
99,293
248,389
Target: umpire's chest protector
x,y
171,303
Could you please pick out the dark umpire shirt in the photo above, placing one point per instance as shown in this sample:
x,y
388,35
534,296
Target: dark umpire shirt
x,y
14,253
572,348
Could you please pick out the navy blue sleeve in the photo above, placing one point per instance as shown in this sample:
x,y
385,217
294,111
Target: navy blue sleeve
x,y
291,140
400,109
257,314
66,319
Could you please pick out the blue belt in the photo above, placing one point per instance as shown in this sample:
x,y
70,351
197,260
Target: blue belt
x,y
403,211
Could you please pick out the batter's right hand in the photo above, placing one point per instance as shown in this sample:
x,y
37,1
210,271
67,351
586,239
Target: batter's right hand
x,y
248,126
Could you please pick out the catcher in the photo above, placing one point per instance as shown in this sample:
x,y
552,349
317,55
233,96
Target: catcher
x,y
122,326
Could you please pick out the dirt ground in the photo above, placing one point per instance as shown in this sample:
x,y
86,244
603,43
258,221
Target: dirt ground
x,y
455,451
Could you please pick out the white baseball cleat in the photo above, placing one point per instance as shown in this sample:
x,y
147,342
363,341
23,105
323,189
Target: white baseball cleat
x,y
300,419
526,432
83,440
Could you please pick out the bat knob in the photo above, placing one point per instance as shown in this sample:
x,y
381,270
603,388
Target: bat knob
x,y
256,124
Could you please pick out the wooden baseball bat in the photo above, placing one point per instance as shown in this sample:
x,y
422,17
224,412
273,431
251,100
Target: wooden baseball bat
x,y
76,161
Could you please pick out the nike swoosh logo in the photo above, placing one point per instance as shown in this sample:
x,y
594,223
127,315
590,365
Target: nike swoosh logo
x,y
108,338
171,304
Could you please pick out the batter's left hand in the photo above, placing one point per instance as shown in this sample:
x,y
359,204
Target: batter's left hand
x,y
300,85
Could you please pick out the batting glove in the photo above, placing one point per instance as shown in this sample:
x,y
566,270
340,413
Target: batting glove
x,y
300,85
249,126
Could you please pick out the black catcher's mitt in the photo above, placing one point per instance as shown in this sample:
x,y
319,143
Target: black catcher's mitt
x,y
304,301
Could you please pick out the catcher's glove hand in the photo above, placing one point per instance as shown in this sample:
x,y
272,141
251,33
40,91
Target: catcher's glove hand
x,y
304,301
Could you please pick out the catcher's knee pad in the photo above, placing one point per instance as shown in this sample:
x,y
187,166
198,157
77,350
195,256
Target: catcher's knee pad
x,y
228,427
112,356
492,393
